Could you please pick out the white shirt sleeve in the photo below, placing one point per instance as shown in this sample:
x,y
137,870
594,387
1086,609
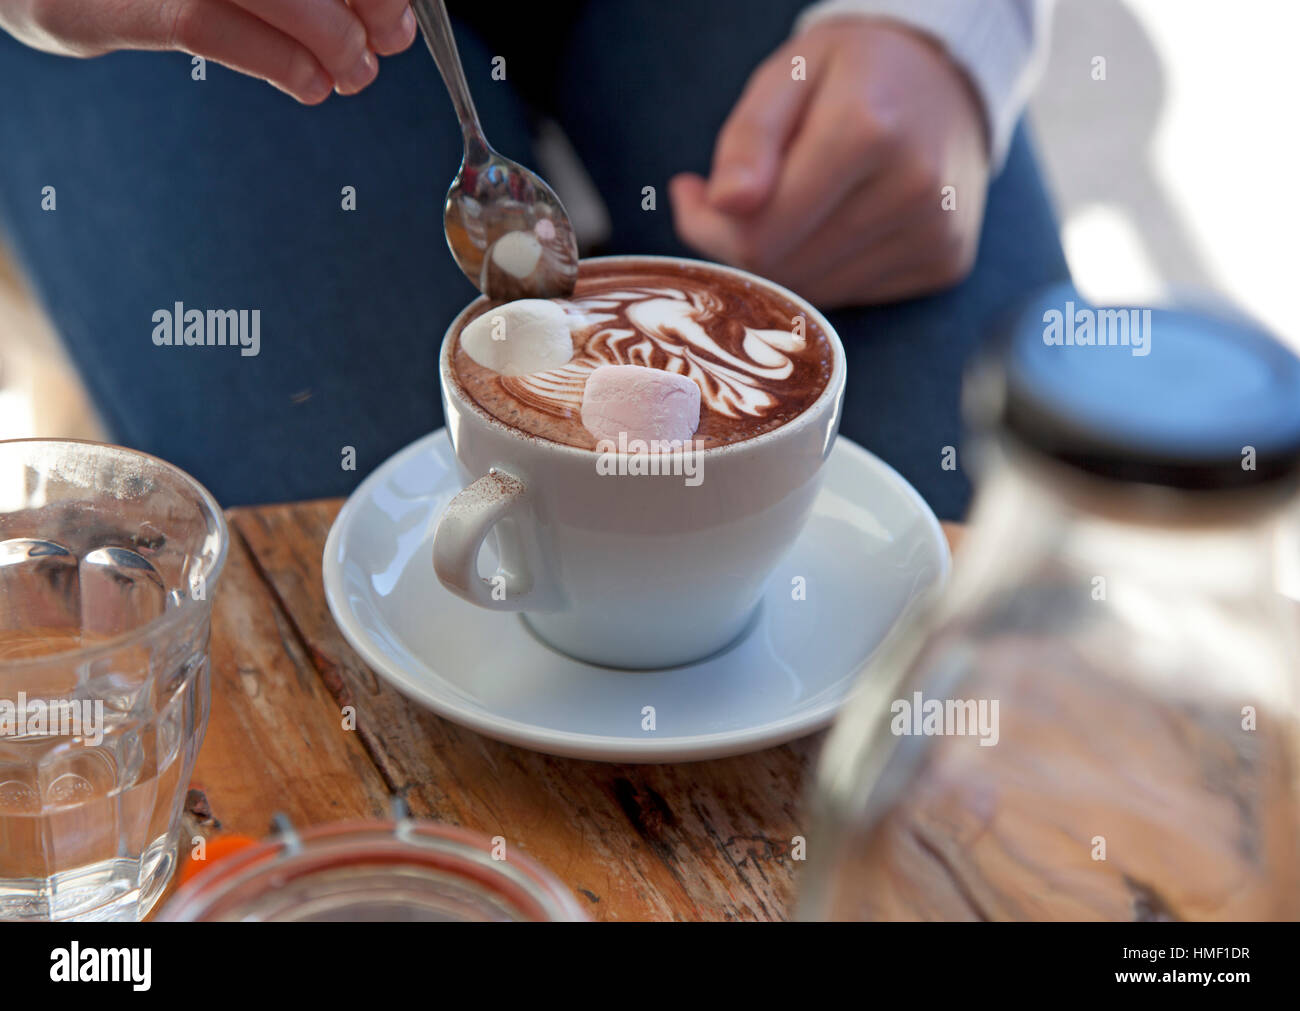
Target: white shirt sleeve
x,y
1000,44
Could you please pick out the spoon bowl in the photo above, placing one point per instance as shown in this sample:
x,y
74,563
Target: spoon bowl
x,y
506,229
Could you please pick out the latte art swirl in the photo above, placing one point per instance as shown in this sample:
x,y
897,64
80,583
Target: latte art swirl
x,y
669,330
756,357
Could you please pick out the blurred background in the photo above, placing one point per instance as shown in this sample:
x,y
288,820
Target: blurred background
x,y
1172,175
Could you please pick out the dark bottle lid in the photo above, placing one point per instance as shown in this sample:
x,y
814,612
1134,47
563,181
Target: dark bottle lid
x,y
1174,397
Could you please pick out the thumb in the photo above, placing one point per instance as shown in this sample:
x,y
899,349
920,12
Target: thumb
x,y
747,158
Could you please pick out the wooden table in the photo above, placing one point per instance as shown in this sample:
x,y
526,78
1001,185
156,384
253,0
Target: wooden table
x,y
693,841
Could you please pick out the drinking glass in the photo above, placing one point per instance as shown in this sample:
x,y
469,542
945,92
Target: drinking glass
x,y
109,559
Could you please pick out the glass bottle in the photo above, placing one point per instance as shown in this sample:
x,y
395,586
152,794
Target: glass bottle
x,y
1097,718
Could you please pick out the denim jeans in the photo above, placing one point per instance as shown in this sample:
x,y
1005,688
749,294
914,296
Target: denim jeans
x,y
223,194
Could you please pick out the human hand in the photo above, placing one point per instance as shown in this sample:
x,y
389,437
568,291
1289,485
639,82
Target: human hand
x,y
306,48
835,186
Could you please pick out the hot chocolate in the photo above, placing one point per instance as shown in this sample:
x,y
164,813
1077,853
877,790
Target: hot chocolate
x,y
757,357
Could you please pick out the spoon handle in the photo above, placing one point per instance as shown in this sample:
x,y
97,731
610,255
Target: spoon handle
x,y
436,28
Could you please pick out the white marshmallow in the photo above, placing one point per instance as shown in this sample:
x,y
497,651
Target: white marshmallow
x,y
640,403
528,335
517,253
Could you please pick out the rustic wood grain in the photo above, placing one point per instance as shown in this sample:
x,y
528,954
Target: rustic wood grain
x,y
275,741
703,840
1101,802
713,840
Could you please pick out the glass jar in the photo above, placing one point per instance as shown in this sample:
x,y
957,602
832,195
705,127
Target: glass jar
x,y
377,871
1097,718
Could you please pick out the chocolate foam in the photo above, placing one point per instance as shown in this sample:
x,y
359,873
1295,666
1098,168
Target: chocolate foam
x,y
736,339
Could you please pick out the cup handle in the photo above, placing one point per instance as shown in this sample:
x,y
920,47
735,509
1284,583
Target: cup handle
x,y
464,525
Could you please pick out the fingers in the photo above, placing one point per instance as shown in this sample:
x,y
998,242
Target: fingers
x,y
217,30
826,165
910,261
895,256
699,224
747,157
810,170
332,31
389,24
876,209
832,155
306,48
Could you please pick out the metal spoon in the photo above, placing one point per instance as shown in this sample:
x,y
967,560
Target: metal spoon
x,y
506,229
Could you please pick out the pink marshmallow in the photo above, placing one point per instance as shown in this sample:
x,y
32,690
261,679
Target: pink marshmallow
x,y
643,403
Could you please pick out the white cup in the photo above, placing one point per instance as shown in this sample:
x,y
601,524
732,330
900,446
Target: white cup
x,y
628,570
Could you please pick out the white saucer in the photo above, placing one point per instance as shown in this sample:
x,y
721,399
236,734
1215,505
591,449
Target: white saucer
x,y
871,546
